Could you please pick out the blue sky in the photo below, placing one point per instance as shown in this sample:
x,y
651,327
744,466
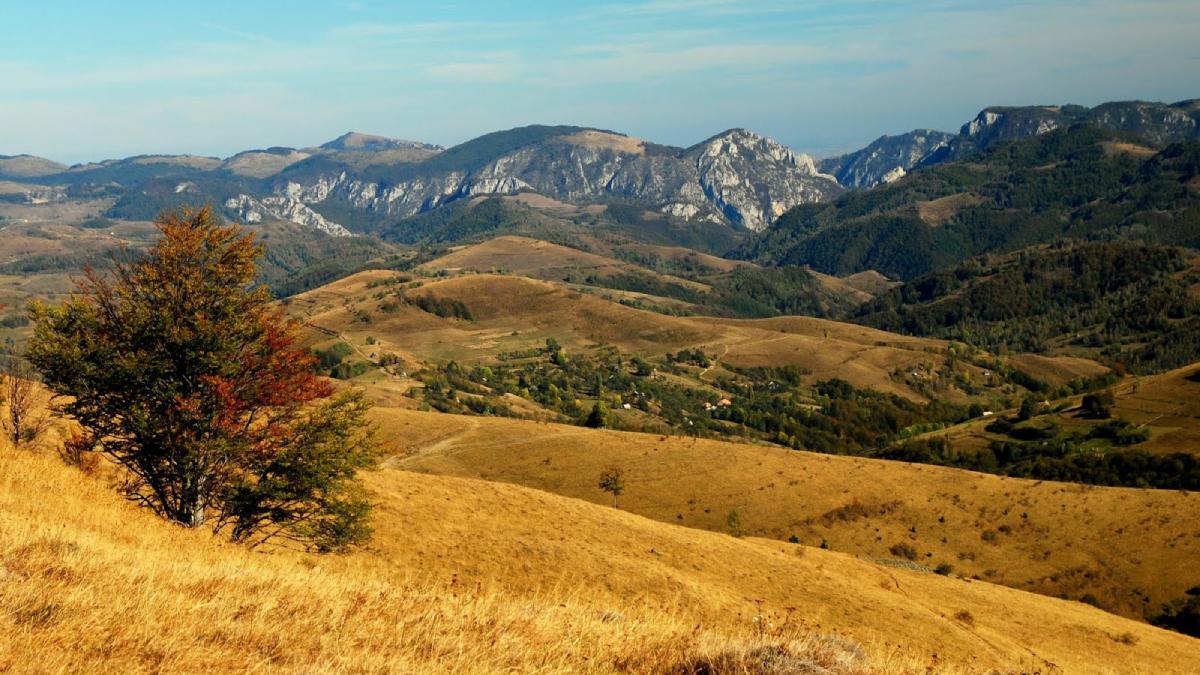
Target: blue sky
x,y
89,80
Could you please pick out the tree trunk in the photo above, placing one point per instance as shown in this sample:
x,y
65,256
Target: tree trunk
x,y
195,513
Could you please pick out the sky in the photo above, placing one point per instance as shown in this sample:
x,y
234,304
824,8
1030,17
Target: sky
x,y
87,80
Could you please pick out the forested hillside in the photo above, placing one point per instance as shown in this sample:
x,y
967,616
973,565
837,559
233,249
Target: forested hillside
x,y
1123,302
1081,183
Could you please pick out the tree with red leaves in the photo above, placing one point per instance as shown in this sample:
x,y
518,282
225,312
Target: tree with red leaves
x,y
178,368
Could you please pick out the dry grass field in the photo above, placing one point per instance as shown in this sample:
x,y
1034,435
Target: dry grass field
x,y
1132,550
473,576
522,256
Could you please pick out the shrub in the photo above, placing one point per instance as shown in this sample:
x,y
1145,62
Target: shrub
x,y
733,522
903,550
1098,405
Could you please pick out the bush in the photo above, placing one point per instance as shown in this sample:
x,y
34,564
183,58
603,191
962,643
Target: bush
x,y
328,358
346,371
903,550
1098,406
733,522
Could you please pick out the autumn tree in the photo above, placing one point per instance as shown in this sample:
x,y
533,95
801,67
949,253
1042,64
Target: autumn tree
x,y
178,368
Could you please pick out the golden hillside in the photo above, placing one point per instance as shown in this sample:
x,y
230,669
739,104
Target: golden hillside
x,y
514,313
1130,549
473,576
1166,406
522,256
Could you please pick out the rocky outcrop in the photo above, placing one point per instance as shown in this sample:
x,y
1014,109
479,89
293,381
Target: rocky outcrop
x,y
886,159
753,180
1154,123
286,208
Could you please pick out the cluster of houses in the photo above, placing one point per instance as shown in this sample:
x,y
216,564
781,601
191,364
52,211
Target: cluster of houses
x,y
723,403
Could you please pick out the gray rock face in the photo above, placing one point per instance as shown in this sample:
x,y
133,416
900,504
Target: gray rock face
x,y
283,207
738,176
886,159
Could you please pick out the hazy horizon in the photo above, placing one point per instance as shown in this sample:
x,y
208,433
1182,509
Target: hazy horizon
x,y
113,79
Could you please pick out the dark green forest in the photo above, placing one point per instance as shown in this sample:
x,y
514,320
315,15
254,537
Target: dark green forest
x,y
1125,303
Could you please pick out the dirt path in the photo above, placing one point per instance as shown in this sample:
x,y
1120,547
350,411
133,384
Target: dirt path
x,y
713,364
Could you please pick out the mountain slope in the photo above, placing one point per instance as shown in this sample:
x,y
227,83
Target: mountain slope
x,y
1080,182
886,159
890,157
1158,124
1053,538
1125,302
474,576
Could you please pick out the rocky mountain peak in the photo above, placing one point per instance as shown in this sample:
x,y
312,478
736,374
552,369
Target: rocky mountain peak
x,y
755,147
754,179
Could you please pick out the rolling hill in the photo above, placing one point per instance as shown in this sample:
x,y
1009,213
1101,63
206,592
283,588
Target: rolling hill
x,y
511,314
1123,549
474,576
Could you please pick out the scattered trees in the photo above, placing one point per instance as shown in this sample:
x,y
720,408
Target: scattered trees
x,y
178,369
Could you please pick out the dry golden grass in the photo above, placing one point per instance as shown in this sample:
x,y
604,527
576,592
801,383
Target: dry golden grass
x,y
601,140
471,576
523,256
842,287
938,211
1113,148
1056,370
1167,404
680,254
90,584
871,282
1131,549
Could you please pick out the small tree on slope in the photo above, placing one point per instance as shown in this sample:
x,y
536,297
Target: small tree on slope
x,y
178,369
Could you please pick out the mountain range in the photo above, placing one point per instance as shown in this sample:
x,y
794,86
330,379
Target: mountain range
x,y
738,178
